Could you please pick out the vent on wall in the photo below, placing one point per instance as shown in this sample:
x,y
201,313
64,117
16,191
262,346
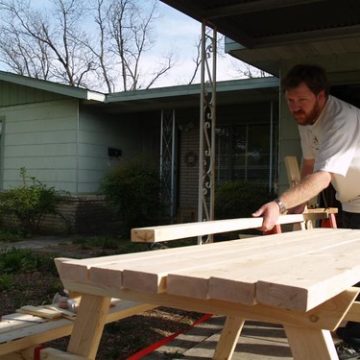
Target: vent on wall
x,y
114,152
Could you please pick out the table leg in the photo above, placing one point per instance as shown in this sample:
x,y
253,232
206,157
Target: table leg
x,y
310,344
229,337
89,325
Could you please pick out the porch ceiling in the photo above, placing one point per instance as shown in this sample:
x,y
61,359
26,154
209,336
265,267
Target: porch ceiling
x,y
271,30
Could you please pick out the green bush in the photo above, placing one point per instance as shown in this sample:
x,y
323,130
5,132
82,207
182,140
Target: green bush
x,y
24,260
30,202
235,199
6,282
133,191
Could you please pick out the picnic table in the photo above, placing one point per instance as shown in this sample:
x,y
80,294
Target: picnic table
x,y
301,279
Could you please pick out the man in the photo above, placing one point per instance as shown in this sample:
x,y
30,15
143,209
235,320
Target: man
x,y
330,139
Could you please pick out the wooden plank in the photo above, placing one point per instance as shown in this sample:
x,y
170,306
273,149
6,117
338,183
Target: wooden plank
x,y
77,270
34,335
236,279
13,321
303,283
292,170
354,312
151,277
181,231
303,293
27,354
54,354
40,311
330,210
325,316
229,337
89,325
64,313
294,175
150,274
238,285
38,333
311,344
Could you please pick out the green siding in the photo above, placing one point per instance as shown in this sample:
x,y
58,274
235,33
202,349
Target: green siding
x,y
97,133
12,94
42,138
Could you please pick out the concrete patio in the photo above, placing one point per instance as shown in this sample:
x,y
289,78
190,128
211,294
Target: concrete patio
x,y
258,341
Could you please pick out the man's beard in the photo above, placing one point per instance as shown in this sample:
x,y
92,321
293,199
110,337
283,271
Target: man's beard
x,y
308,119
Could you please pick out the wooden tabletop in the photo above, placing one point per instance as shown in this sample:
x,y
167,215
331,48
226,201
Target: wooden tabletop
x,y
295,270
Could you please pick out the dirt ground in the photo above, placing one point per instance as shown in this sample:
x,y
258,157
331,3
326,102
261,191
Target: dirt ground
x,y
120,339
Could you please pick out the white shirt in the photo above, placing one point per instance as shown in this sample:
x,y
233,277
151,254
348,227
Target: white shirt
x,y
333,141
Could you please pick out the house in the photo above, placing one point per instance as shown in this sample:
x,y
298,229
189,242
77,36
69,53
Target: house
x,y
275,35
70,138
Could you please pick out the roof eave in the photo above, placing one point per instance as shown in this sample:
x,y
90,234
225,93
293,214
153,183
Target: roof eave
x,y
44,85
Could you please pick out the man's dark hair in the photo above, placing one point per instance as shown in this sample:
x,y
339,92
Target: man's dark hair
x,y
313,76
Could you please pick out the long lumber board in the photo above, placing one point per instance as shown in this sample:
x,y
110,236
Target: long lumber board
x,y
92,270
238,285
182,231
153,277
327,211
300,282
11,322
76,270
150,273
35,333
327,314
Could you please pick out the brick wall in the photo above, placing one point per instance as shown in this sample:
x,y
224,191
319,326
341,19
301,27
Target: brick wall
x,y
83,214
188,174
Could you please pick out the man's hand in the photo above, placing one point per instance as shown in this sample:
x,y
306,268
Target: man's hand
x,y
270,212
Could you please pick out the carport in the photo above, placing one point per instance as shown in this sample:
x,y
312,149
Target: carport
x,y
273,35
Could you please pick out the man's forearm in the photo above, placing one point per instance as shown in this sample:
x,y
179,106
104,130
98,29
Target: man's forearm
x,y
309,187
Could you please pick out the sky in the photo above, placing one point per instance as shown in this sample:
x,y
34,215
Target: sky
x,y
177,33
181,35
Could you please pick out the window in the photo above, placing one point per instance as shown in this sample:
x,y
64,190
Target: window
x,y
243,153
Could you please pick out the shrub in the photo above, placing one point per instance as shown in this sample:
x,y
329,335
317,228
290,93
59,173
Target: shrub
x,y
236,199
30,202
6,282
24,260
133,191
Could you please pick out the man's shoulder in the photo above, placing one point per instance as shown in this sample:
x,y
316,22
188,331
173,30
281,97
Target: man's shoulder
x,y
338,110
339,104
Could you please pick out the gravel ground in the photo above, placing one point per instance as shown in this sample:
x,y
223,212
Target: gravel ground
x,y
120,339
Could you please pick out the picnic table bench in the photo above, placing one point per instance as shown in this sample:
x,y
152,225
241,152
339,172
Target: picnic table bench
x,y
21,333
301,279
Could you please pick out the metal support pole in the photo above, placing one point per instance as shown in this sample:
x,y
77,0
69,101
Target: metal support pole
x,y
167,160
206,192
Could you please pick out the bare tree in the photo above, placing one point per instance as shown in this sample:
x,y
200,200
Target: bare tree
x,y
54,46
197,61
249,72
99,46
22,53
36,47
197,58
130,29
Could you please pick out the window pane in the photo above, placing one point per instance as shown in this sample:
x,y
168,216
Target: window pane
x,y
243,153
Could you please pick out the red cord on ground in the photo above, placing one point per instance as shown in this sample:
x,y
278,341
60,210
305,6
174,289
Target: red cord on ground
x,y
151,348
